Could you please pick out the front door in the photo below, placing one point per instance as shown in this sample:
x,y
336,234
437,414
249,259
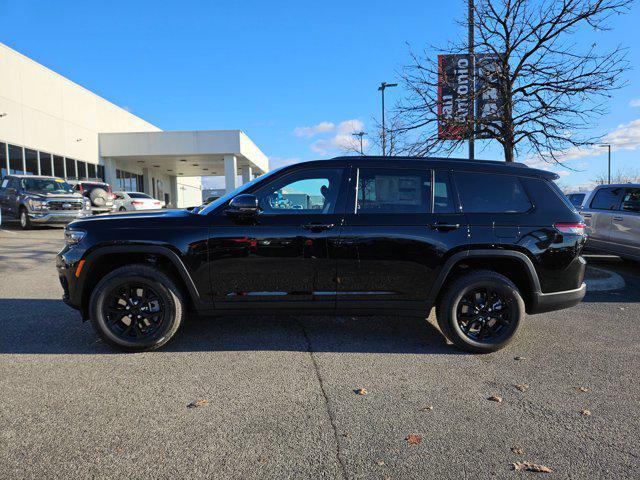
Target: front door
x,y
397,231
283,255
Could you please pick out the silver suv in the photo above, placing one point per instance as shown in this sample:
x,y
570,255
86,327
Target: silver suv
x,y
612,216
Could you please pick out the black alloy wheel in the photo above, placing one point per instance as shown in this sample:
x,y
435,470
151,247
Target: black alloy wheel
x,y
137,307
480,311
483,314
133,311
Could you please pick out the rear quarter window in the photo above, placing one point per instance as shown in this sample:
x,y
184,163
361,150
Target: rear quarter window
x,y
491,193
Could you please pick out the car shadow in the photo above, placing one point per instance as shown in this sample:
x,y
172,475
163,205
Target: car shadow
x,y
630,272
50,327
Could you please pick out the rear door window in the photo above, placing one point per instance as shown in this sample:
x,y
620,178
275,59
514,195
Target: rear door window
x,y
631,200
393,190
607,198
491,193
442,194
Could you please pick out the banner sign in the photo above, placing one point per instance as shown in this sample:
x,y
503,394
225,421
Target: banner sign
x,y
489,102
454,99
454,83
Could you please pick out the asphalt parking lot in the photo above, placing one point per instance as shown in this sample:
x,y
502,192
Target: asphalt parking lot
x,y
280,392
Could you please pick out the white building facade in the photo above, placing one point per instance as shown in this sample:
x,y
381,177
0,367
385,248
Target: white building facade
x,y
52,126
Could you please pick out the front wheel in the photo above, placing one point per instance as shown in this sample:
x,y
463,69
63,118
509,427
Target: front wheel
x,y
136,308
25,221
481,311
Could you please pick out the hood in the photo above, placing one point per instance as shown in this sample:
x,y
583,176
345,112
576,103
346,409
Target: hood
x,y
41,195
142,219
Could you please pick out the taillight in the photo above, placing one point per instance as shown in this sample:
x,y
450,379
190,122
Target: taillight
x,y
574,228
137,203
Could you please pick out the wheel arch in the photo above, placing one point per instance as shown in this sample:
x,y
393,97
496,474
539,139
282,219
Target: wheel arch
x,y
512,264
106,259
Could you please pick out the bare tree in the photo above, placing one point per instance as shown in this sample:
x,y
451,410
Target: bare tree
x,y
624,175
552,88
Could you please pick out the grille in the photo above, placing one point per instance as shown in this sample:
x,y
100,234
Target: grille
x,y
57,205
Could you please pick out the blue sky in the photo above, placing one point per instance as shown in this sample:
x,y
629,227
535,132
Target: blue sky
x,y
296,76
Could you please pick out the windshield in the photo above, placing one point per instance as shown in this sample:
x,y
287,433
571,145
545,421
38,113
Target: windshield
x,y
46,185
225,198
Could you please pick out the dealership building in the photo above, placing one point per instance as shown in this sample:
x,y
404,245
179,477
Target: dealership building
x,y
52,126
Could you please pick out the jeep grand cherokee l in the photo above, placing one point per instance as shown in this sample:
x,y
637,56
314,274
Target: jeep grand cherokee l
x,y
482,242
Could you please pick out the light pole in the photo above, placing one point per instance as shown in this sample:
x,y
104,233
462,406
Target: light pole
x,y
608,146
381,88
472,119
360,134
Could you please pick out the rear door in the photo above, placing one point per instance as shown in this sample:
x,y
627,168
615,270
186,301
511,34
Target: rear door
x,y
496,206
625,224
599,214
395,237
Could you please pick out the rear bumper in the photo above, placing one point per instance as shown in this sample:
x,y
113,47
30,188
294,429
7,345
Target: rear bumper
x,y
547,302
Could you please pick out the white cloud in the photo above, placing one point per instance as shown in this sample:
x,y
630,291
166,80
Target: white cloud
x,y
277,162
635,102
309,132
563,173
624,137
341,137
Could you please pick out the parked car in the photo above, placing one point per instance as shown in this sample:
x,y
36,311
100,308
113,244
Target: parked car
x,y
136,201
98,193
577,199
612,217
482,242
38,199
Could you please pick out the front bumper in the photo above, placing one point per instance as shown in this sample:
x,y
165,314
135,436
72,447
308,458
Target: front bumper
x,y
56,217
547,302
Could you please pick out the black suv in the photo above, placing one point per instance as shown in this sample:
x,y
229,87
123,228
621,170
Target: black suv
x,y
484,242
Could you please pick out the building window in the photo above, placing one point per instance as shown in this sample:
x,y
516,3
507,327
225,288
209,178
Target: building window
x,y
15,160
71,168
31,161
4,168
58,166
101,173
45,164
91,170
82,169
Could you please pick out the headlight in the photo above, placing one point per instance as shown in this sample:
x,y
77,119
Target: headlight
x,y
87,204
73,236
36,204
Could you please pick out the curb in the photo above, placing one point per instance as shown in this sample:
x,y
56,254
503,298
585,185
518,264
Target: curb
x,y
613,281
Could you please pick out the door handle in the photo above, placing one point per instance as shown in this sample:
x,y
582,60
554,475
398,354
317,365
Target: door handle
x,y
618,218
444,227
317,227
586,215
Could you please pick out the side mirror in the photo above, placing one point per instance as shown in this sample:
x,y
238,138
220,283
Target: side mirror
x,y
244,205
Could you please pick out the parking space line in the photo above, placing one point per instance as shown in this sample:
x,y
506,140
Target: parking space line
x,y
8,231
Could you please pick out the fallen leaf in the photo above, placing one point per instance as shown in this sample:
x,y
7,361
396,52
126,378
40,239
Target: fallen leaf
x,y
414,439
495,398
531,467
360,391
519,359
585,413
346,435
428,407
582,389
517,450
523,387
262,460
380,462
198,403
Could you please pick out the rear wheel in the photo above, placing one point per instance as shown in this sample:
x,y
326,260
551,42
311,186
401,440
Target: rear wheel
x,y
481,311
136,308
25,221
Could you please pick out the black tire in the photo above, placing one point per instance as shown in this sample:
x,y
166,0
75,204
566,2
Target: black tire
x,y
25,221
122,209
139,277
454,311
